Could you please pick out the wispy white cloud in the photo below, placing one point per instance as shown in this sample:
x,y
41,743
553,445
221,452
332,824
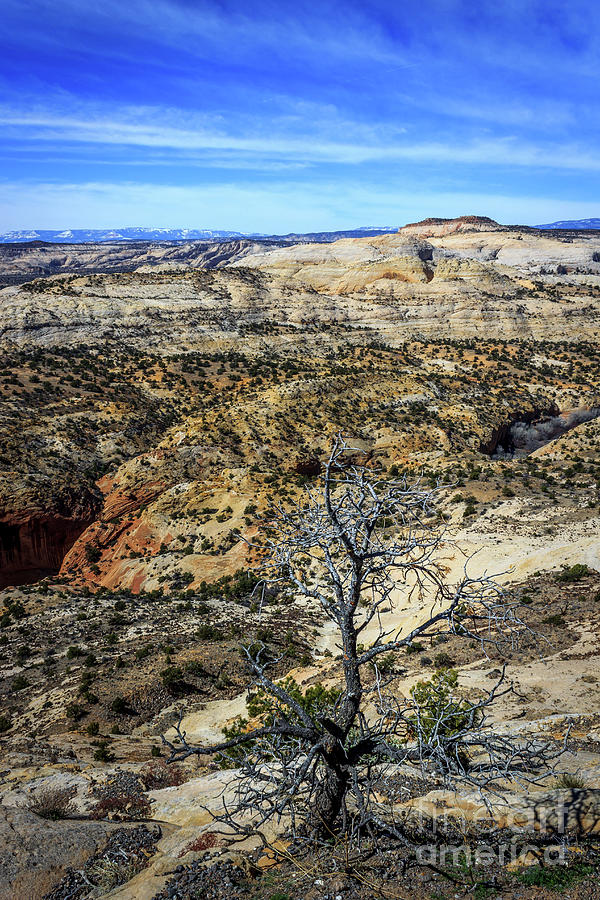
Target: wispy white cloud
x,y
488,100
266,140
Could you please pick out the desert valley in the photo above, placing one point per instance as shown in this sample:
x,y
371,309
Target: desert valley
x,y
157,400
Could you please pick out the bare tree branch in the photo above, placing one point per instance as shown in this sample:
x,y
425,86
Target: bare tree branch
x,y
362,546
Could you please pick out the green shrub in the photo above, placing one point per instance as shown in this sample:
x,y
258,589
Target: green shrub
x,y
555,877
439,712
173,678
93,554
443,660
261,705
102,753
386,663
74,711
208,632
573,573
571,781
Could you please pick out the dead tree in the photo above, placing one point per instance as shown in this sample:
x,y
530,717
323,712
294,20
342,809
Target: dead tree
x,y
361,546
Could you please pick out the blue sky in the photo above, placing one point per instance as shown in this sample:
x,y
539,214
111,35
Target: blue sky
x,y
275,116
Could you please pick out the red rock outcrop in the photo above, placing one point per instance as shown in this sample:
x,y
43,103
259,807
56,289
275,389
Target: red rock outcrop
x,y
34,541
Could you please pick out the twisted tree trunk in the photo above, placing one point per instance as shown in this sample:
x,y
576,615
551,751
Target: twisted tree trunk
x,y
330,795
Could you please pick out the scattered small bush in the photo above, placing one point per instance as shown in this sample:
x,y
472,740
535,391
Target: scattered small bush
x,y
159,774
19,683
23,653
438,709
173,679
74,711
53,803
555,877
102,753
110,873
571,781
443,660
122,808
209,633
573,573
385,663
204,842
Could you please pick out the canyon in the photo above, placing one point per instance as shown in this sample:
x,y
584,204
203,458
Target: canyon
x,y
158,399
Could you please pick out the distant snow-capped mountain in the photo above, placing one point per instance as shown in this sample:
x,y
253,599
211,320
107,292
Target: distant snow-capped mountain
x,y
574,225
98,235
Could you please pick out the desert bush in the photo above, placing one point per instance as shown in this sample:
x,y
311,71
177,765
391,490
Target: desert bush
x,y
573,573
110,873
23,653
438,711
74,711
262,706
386,664
571,781
204,842
102,753
122,808
158,774
443,660
208,632
53,803
173,679
119,705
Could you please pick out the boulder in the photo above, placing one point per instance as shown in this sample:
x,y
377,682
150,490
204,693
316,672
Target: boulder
x,y
35,853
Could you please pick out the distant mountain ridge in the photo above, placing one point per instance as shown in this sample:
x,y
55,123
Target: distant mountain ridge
x,y
99,235
574,225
